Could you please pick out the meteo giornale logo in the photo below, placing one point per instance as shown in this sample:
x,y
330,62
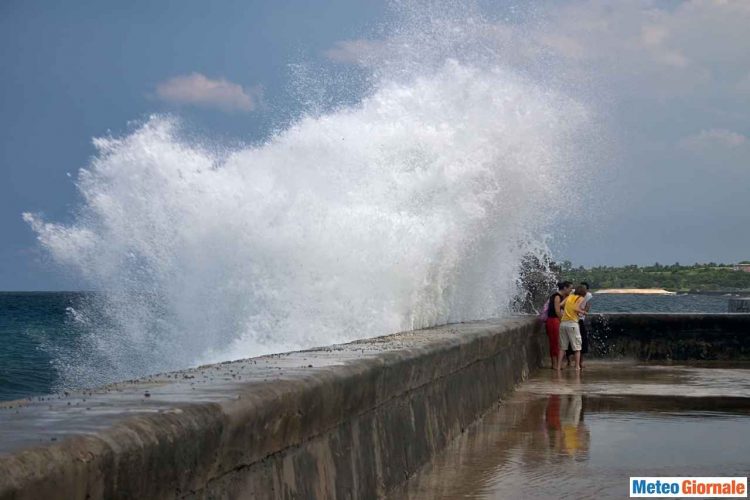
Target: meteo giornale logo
x,y
688,487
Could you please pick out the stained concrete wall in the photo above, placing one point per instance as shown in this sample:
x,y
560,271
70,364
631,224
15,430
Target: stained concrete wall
x,y
675,336
349,421
739,305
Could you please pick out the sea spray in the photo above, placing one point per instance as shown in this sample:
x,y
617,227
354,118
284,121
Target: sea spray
x,y
412,208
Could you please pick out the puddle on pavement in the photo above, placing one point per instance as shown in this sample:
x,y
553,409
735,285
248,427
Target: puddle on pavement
x,y
583,435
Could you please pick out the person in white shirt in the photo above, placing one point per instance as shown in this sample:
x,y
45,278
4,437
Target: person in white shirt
x,y
586,306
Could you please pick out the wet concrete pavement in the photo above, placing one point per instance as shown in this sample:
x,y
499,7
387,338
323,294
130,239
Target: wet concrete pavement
x,y
583,435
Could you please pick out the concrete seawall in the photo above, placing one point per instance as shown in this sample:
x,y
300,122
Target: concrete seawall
x,y
345,421
675,336
739,305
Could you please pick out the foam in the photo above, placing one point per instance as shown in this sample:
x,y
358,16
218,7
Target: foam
x,y
409,209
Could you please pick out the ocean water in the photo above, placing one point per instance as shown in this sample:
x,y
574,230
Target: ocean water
x,y
660,303
30,324
41,333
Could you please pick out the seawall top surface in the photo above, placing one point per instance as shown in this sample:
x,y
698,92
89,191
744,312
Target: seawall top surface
x,y
42,421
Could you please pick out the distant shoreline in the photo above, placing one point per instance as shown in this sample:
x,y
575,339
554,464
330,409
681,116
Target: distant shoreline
x,y
636,291
698,278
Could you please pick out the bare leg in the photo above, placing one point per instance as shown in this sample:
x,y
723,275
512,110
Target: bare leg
x,y
560,359
578,360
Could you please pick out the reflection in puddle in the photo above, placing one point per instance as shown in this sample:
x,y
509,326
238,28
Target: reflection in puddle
x,y
573,436
566,431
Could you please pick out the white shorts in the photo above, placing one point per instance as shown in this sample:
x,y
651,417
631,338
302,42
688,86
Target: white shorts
x,y
570,333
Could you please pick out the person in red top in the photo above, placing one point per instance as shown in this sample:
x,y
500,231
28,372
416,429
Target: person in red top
x,y
554,315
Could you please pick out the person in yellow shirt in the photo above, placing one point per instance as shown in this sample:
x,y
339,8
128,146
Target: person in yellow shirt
x,y
570,332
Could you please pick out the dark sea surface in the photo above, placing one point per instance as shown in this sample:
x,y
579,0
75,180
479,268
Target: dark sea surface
x,y
30,324
660,303
34,324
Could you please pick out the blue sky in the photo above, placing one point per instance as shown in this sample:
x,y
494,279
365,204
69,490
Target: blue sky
x,y
675,77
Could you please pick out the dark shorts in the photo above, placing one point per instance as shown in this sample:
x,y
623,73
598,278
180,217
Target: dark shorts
x,y
584,340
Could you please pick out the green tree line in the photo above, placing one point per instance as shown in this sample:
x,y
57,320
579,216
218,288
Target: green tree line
x,y
674,277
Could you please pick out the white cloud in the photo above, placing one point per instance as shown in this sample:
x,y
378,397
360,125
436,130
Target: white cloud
x,y
196,89
713,139
645,48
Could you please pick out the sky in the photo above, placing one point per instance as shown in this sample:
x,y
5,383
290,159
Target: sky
x,y
671,80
